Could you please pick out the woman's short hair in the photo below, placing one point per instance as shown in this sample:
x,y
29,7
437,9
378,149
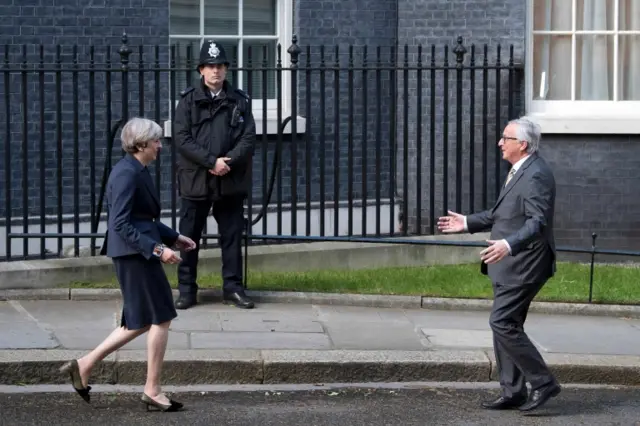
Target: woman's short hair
x,y
138,132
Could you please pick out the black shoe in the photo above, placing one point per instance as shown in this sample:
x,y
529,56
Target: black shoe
x,y
504,403
238,299
173,405
185,302
540,396
73,370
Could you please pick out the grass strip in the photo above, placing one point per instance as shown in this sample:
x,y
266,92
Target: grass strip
x,y
612,283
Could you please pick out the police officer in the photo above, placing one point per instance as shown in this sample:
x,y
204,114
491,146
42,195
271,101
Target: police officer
x,y
214,132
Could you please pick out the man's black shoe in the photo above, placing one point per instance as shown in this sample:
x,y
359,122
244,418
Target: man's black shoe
x,y
238,299
540,396
504,403
185,302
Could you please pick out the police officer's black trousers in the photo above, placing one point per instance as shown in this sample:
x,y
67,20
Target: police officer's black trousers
x,y
228,213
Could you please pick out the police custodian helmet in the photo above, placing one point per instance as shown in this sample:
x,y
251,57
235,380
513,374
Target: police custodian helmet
x,y
212,53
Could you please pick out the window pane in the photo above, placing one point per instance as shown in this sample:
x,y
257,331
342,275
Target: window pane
x,y
187,52
629,15
221,17
629,64
184,17
259,63
595,15
259,17
552,15
552,68
594,67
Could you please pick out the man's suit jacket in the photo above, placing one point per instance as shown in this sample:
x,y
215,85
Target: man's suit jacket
x,y
134,225
523,215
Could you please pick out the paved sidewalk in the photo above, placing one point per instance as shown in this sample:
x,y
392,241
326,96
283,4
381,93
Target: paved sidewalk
x,y
310,342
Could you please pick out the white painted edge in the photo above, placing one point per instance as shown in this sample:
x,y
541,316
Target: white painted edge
x,y
625,125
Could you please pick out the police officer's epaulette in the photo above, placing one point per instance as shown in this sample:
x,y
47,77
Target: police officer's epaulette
x,y
243,94
186,91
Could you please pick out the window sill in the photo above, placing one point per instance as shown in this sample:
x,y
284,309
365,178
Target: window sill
x,y
272,125
602,124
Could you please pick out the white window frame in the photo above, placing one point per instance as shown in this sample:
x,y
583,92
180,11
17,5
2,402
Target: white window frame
x,y
579,117
284,34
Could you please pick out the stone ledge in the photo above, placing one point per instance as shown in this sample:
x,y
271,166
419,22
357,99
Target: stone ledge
x,y
40,366
184,367
374,366
50,273
589,369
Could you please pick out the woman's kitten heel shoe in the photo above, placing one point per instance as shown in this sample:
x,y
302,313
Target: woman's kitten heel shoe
x,y
73,370
150,403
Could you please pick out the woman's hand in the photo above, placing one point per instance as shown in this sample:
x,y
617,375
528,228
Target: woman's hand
x,y
169,256
185,243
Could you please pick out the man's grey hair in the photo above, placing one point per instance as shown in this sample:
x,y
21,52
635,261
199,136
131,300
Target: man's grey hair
x,y
138,132
528,131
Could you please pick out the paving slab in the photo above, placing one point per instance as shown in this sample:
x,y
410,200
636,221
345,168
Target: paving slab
x,y
80,339
279,312
342,314
369,335
9,314
584,335
196,320
73,314
26,335
19,331
455,338
260,340
466,320
288,325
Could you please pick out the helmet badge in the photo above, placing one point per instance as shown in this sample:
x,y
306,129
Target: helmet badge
x,y
213,50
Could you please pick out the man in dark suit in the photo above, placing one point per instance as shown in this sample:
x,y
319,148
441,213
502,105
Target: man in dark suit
x,y
519,260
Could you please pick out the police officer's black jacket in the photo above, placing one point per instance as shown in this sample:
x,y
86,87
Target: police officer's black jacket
x,y
205,129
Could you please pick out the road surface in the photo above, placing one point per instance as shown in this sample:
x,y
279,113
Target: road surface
x,y
414,405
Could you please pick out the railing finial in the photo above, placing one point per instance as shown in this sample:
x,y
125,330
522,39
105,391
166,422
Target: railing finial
x,y
294,50
124,51
459,50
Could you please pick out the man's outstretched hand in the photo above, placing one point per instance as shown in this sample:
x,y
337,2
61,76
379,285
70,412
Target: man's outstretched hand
x,y
453,222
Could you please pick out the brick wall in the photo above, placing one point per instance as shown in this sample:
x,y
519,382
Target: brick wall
x,y
597,189
99,23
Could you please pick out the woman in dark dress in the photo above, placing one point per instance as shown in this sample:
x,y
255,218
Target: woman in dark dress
x,y
138,243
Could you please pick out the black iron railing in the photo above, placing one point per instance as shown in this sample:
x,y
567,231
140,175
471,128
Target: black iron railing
x,y
363,143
